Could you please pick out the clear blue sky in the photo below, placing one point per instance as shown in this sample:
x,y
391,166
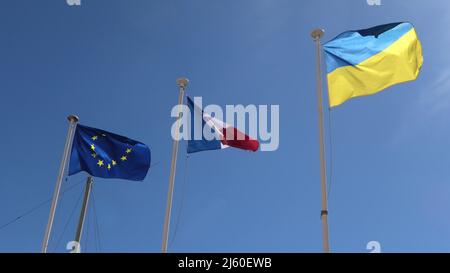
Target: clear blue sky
x,y
114,63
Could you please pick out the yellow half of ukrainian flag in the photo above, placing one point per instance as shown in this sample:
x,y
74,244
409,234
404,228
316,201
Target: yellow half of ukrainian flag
x,y
364,62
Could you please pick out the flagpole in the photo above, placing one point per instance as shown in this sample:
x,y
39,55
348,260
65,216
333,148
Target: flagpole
x,y
87,193
316,35
182,83
72,125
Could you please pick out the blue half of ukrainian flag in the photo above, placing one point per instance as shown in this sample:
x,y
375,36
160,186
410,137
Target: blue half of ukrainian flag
x,y
364,62
107,155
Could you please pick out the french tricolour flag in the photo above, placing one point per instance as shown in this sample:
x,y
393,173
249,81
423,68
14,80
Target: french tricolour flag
x,y
220,129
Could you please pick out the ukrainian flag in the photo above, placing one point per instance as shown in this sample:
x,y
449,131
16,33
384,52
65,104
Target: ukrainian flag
x,y
364,62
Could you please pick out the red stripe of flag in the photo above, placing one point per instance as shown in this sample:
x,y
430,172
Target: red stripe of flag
x,y
240,140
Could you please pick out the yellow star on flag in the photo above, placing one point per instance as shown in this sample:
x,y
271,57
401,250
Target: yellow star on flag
x,y
128,151
100,163
114,163
94,138
109,166
123,158
92,147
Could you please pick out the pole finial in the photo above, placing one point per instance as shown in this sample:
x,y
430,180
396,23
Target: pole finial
x,y
73,118
182,82
317,33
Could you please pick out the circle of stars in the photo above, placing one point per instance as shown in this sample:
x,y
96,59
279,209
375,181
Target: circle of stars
x,y
113,162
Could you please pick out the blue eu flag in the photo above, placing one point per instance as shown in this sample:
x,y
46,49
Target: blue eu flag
x,y
107,155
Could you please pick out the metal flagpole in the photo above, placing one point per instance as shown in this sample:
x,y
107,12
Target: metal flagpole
x,y
87,193
72,125
182,83
316,35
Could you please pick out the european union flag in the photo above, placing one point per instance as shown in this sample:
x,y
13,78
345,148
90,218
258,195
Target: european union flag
x,y
107,155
